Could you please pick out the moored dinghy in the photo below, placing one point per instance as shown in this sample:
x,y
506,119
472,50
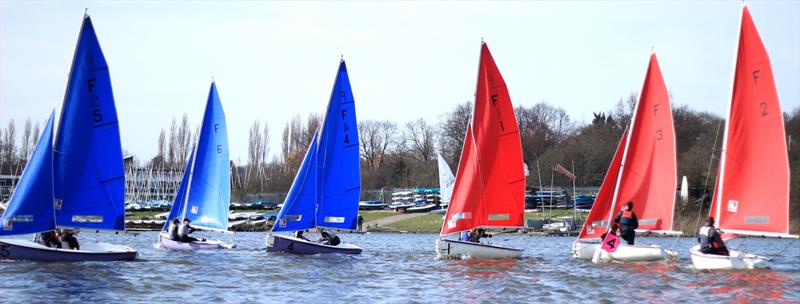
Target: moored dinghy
x,y
642,171
489,186
751,196
204,194
78,181
326,189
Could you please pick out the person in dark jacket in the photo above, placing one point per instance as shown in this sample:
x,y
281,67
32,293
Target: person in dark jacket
x,y
476,234
628,222
710,239
69,237
51,238
329,238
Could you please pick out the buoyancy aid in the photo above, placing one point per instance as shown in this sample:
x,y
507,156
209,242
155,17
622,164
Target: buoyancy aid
x,y
627,218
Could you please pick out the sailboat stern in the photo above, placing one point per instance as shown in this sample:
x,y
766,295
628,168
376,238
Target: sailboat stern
x,y
453,249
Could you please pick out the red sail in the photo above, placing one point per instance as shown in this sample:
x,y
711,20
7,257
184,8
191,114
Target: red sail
x,y
753,188
649,176
597,222
489,189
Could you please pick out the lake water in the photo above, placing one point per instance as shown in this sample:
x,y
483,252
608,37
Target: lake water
x,y
397,268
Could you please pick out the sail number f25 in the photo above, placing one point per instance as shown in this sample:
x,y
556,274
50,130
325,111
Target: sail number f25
x,y
97,112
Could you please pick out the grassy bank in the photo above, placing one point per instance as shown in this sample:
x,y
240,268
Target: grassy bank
x,y
425,223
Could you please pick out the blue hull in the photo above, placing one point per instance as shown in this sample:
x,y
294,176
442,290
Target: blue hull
x,y
288,244
30,251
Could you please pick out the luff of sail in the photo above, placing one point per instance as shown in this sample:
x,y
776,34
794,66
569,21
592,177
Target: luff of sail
x,y
752,192
338,160
30,209
649,173
597,222
490,184
299,207
209,192
446,180
89,177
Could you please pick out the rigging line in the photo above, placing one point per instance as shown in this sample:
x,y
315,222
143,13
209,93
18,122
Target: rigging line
x,y
708,175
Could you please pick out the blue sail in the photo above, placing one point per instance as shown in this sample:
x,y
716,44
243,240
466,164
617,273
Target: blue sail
x,y
89,177
339,162
180,197
300,204
209,191
31,207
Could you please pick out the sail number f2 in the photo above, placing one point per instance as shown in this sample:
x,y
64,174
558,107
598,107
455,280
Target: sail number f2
x,y
97,113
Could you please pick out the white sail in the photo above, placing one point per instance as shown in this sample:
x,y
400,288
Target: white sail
x,y
684,190
446,180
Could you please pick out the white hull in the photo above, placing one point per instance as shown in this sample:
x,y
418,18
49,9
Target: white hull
x,y
453,249
736,260
165,242
585,250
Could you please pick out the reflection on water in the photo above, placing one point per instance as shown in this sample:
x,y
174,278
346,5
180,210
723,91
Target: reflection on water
x,y
397,268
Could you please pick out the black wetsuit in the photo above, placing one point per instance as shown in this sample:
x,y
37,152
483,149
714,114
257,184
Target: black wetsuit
x,y
330,238
50,238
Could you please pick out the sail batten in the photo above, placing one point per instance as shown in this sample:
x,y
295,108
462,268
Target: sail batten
x,y
490,183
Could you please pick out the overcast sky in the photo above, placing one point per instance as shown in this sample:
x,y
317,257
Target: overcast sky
x,y
407,60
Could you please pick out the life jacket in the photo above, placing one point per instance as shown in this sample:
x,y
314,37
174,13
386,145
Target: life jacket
x,y
332,238
626,219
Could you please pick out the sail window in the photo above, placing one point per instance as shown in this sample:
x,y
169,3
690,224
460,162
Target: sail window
x,y
756,219
600,224
293,218
648,221
23,218
87,218
333,219
499,217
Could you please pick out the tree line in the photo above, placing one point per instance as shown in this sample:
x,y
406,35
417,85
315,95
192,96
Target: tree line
x,y
403,154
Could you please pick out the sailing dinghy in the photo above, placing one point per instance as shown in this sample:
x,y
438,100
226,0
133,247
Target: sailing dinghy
x,y
751,196
643,171
205,192
78,182
327,187
489,186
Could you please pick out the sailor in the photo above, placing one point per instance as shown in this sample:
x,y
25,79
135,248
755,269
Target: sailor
x,y
51,238
614,228
173,230
710,239
476,234
464,236
628,222
69,237
329,237
185,229
299,234
360,222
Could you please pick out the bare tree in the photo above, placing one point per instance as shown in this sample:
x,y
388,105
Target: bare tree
x,y
452,130
184,140
172,154
162,143
26,140
35,135
9,148
376,139
419,138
